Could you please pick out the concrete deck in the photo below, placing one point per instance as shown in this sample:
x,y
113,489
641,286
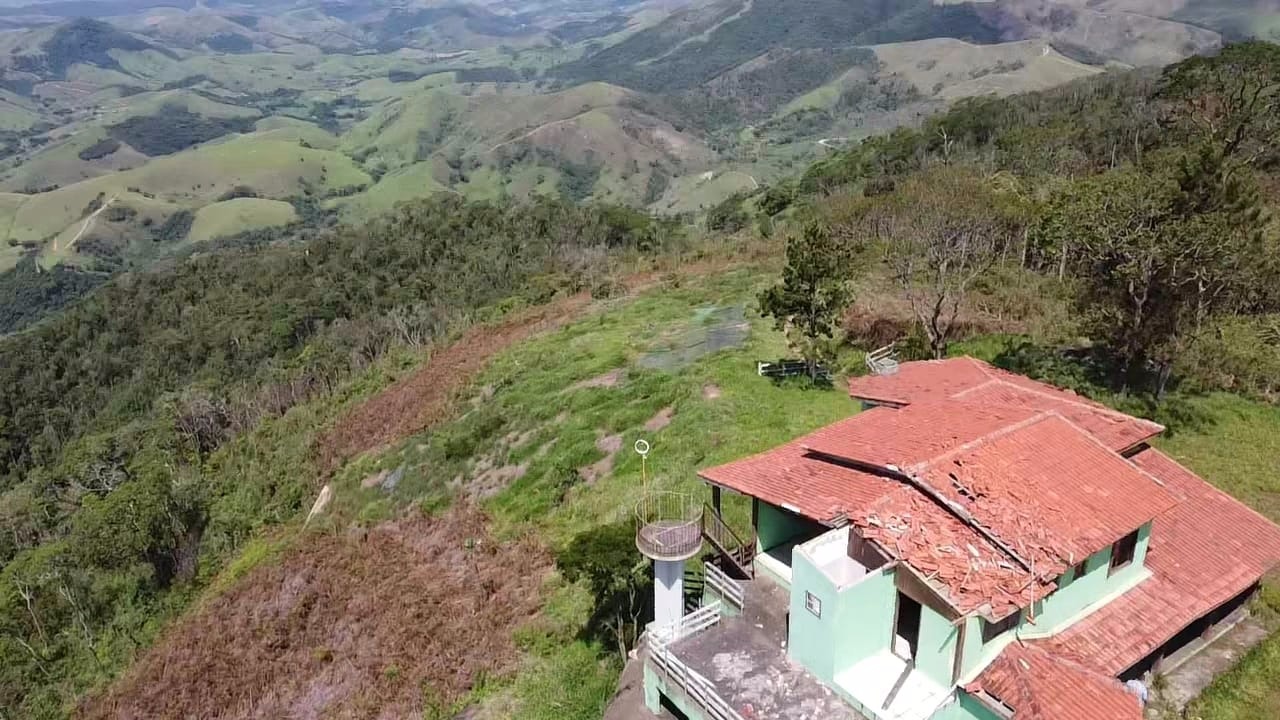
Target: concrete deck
x,y
745,657
885,685
1201,662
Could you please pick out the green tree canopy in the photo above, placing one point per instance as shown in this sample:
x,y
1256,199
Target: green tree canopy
x,y
814,290
1152,267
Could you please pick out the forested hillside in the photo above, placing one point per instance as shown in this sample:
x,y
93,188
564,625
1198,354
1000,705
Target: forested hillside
x,y
149,131
162,439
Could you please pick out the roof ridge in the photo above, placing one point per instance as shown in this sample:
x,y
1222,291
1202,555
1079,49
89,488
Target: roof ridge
x,y
1110,451
1219,492
1073,397
1023,679
982,440
1072,663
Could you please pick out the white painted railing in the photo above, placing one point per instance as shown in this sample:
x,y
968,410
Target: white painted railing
x,y
698,620
882,361
726,587
699,689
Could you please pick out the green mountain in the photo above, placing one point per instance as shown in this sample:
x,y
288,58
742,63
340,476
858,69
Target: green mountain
x,y
119,135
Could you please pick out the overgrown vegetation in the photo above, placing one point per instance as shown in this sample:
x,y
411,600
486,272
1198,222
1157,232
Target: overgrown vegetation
x,y
100,149
111,498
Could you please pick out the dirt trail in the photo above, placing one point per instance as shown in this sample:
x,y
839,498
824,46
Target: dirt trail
x,y
88,223
429,394
543,126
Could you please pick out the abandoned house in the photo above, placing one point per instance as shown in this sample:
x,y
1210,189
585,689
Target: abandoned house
x,y
973,545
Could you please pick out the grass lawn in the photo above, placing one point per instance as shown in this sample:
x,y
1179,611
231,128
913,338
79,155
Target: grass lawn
x,y
532,410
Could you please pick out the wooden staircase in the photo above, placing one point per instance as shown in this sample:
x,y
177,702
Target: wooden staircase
x,y
735,554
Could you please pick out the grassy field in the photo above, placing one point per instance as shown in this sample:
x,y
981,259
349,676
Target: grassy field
x,y
548,407
231,217
9,204
59,163
407,183
193,178
949,69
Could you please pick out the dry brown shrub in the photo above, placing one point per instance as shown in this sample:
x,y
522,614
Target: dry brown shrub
x,y
351,626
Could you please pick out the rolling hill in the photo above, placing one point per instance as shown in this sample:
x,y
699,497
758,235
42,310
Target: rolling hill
x,y
343,108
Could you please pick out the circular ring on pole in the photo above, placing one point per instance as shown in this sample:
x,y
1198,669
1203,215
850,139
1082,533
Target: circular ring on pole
x,y
642,447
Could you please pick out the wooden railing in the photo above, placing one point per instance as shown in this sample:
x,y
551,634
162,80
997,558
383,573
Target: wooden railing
x,y
726,587
699,689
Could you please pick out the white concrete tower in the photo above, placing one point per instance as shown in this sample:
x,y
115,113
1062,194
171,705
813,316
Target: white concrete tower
x,y
668,531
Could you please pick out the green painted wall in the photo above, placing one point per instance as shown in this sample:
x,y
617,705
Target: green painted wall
x,y
654,685
1073,598
809,639
866,619
936,654
856,622
775,526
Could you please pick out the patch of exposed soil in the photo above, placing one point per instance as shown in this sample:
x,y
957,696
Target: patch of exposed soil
x,y
608,380
428,395
710,391
660,420
345,627
375,479
490,478
609,445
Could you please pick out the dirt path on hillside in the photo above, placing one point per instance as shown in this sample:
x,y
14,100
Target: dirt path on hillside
x,y
88,223
429,394
372,625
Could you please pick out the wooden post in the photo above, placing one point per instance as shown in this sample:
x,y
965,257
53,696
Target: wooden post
x,y
715,500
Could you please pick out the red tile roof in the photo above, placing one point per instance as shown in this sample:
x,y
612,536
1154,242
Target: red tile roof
x,y
1010,462
789,477
1051,492
921,380
960,563
1038,685
914,435
979,383
1204,551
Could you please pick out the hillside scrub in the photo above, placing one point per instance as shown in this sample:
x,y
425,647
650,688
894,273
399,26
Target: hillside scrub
x,y
130,421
